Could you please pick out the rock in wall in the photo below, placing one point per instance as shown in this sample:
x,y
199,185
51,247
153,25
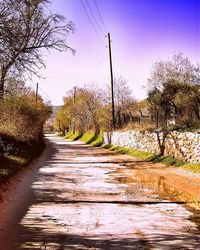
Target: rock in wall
x,y
184,146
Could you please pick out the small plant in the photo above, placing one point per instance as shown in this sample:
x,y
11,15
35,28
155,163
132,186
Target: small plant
x,y
73,137
169,161
192,167
18,160
129,151
95,139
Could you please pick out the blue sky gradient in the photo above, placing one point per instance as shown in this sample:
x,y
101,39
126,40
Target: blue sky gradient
x,y
142,32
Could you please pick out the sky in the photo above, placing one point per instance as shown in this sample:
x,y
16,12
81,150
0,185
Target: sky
x,y
142,32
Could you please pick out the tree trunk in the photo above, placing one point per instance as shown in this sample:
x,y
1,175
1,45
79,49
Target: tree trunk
x,y
197,112
157,118
161,142
1,88
96,127
2,81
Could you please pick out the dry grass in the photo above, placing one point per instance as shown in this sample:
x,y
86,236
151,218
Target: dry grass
x,y
143,126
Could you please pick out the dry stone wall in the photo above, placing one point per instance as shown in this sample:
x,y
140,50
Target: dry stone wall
x,y
184,146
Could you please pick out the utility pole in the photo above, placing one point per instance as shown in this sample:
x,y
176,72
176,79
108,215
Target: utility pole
x,y
74,101
36,94
112,83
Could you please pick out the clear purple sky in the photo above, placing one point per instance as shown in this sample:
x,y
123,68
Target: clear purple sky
x,y
142,31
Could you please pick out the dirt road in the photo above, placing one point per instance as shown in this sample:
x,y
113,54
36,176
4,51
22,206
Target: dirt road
x,y
74,197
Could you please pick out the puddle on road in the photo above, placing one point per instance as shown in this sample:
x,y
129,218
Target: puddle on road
x,y
92,203
174,188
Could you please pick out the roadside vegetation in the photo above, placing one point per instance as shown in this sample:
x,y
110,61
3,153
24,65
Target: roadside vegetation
x,y
89,108
27,29
96,140
21,130
174,93
168,106
89,137
173,103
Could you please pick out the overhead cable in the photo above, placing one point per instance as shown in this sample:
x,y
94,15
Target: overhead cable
x,y
93,26
101,18
98,25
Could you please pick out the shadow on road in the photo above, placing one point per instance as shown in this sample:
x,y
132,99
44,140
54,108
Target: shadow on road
x,y
78,203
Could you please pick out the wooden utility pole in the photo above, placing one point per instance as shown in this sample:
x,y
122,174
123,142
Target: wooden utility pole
x,y
112,83
36,94
74,121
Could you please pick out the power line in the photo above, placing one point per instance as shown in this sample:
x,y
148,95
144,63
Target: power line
x,y
44,93
101,18
92,23
90,9
33,86
99,60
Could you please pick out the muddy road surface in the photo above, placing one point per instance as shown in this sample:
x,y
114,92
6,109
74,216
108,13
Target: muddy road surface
x,y
79,197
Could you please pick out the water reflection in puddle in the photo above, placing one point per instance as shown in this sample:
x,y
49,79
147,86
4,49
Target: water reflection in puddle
x,y
88,203
168,187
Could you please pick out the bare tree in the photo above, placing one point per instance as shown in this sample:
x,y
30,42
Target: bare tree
x,y
176,69
174,89
124,101
27,27
14,87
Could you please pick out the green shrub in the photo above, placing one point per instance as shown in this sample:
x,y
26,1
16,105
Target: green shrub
x,y
73,137
129,151
192,167
95,139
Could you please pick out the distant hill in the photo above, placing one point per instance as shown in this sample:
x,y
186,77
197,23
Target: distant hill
x,y
55,111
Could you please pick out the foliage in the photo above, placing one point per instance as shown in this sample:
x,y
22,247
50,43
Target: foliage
x,y
86,108
167,160
26,28
124,102
129,151
21,118
89,108
192,167
88,137
92,138
144,125
73,136
177,69
17,154
21,125
96,140
14,87
63,119
81,110
174,94
168,102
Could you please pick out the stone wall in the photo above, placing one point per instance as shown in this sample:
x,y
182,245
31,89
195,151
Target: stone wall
x,y
184,146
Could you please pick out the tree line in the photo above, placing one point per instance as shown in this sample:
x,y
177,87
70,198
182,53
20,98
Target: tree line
x,y
89,107
173,101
